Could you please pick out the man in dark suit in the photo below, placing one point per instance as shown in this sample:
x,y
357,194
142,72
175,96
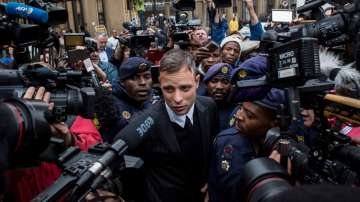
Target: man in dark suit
x,y
174,137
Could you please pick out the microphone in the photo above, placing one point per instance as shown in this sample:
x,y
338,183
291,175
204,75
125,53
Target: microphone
x,y
129,138
36,15
134,133
345,77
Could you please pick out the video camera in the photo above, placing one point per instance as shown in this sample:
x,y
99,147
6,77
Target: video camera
x,y
332,159
293,61
71,91
179,28
41,14
87,171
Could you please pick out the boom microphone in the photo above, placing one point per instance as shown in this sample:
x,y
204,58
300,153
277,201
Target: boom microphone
x,y
129,137
36,15
134,133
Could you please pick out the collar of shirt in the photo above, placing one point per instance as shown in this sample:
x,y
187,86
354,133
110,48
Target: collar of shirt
x,y
180,120
103,56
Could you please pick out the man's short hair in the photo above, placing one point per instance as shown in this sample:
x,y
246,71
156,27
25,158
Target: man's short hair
x,y
176,59
101,35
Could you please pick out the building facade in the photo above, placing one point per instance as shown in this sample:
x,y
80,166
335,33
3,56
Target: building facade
x,y
112,13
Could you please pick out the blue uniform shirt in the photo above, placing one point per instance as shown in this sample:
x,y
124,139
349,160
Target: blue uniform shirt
x,y
231,151
226,115
127,108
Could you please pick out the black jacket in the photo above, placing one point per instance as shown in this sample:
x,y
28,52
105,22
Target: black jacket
x,y
151,136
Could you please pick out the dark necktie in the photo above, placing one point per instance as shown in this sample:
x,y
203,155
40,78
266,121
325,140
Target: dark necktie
x,y
188,124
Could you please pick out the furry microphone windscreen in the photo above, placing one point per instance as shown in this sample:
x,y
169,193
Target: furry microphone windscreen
x,y
345,77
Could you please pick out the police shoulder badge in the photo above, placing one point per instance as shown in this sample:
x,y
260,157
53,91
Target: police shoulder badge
x,y
242,74
126,115
231,122
224,69
142,67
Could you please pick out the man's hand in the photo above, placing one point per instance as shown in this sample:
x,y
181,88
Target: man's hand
x,y
356,140
202,53
275,155
106,85
104,196
210,4
249,3
250,6
60,130
205,191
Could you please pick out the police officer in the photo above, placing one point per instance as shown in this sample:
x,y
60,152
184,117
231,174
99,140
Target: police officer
x,y
217,80
134,94
252,68
239,144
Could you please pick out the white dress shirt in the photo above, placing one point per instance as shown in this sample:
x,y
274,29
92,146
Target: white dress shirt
x,y
180,120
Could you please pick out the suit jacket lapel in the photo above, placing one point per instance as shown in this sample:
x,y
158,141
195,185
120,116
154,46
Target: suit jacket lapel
x,y
167,131
204,127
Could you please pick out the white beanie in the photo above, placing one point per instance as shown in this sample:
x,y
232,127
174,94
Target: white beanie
x,y
245,46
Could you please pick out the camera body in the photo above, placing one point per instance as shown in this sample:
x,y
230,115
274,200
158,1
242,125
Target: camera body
x,y
294,62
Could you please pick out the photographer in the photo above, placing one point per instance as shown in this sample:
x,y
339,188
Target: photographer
x,y
208,59
241,143
110,70
199,37
105,52
28,182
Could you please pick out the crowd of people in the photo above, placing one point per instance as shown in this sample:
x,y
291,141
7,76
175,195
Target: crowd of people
x,y
201,128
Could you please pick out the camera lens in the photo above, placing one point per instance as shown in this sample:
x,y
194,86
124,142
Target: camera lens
x,y
264,178
24,128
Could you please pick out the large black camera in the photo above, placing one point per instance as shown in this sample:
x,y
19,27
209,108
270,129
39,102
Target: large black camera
x,y
25,131
71,91
294,62
264,179
332,159
87,171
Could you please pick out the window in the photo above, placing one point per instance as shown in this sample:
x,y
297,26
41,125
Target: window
x,y
101,14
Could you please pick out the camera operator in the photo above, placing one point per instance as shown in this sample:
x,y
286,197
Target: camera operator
x,y
105,52
241,143
208,59
110,70
219,87
199,37
134,94
26,183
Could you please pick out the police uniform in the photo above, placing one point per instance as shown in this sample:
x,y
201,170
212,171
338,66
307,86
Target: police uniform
x,y
302,133
225,109
253,68
126,106
231,152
